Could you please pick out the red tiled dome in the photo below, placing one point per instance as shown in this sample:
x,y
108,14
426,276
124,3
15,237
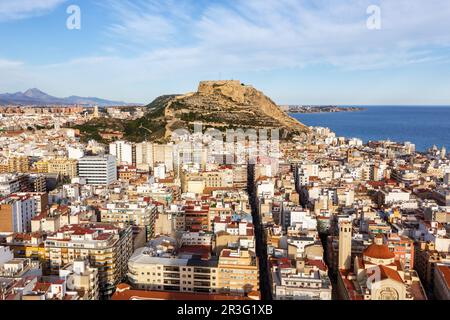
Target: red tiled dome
x,y
377,251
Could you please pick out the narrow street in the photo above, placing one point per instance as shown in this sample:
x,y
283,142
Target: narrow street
x,y
265,281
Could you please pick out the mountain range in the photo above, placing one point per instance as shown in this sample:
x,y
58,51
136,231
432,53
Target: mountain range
x,y
37,97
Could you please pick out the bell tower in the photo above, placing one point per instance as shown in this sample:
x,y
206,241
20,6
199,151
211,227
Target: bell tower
x,y
345,245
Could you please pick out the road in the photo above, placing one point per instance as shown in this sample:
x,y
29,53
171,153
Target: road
x,y
265,280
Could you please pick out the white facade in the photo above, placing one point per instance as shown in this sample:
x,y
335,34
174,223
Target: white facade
x,y
98,170
144,155
395,195
303,220
75,153
196,239
9,184
266,189
23,209
160,171
123,151
5,255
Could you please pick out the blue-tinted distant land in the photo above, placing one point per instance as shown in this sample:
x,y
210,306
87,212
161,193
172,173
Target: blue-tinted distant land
x,y
422,125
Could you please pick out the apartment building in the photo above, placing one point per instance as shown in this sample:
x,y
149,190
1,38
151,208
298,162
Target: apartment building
x,y
107,247
238,271
63,167
16,213
82,278
196,216
41,199
235,272
306,280
140,214
13,183
125,152
151,271
18,164
98,170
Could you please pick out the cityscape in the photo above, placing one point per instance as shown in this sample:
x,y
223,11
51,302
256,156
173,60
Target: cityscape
x,y
217,194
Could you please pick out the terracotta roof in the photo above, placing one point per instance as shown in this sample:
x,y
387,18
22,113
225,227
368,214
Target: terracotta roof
x,y
379,252
125,294
388,273
445,271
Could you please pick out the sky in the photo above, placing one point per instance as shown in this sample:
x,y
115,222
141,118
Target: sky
x,y
295,51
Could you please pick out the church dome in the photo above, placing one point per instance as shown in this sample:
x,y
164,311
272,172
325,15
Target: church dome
x,y
378,252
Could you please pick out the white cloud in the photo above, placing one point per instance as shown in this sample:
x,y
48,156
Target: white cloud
x,y
8,64
176,43
21,9
253,34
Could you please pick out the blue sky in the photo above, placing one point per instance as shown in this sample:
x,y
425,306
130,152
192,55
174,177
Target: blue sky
x,y
296,51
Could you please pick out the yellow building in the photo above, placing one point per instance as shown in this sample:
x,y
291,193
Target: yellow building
x,y
235,272
64,167
238,272
29,246
18,164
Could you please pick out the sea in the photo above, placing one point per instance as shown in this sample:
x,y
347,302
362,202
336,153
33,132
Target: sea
x,y
424,126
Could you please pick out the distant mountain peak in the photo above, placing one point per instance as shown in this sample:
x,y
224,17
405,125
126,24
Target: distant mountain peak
x,y
35,96
34,93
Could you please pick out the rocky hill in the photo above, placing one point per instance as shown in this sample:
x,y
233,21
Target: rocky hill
x,y
218,104
228,104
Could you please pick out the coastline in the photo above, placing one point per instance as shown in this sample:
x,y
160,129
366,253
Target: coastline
x,y
321,109
424,126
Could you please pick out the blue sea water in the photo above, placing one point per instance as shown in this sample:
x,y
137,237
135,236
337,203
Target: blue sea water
x,y
421,125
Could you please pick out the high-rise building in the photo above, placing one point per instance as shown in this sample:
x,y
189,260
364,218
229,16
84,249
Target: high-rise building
x,y
16,213
345,245
144,155
98,170
442,282
125,152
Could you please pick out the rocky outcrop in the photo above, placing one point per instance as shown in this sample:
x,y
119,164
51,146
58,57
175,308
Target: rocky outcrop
x,y
228,103
217,104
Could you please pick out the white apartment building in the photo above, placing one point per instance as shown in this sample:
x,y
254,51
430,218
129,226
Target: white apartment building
x,y
16,213
196,239
307,283
9,183
135,214
98,170
125,152
265,189
391,196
